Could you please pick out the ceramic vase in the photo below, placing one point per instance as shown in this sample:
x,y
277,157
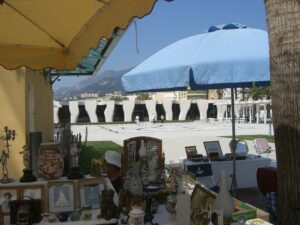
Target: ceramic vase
x,y
50,160
224,201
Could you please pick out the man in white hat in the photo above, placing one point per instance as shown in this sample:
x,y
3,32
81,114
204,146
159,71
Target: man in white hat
x,y
112,169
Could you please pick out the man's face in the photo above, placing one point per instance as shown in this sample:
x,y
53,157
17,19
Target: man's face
x,y
108,169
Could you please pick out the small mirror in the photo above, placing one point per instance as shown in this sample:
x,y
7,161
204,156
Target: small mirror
x,y
143,155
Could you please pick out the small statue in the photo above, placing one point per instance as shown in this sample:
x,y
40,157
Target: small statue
x,y
27,171
75,154
3,159
26,157
9,135
109,209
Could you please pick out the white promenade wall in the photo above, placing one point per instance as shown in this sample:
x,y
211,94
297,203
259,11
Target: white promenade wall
x,y
128,106
151,108
184,108
202,107
56,106
74,111
167,103
91,107
109,111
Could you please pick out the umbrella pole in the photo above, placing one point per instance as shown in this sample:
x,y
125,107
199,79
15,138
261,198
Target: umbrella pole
x,y
233,147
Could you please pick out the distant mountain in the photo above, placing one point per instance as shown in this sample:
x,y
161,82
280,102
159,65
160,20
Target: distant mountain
x,y
103,83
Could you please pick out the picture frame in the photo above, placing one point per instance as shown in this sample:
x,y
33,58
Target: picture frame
x,y
213,149
7,194
201,201
89,192
132,153
35,192
61,196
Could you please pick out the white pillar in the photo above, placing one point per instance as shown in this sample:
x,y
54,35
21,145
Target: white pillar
x,y
184,108
237,107
226,111
167,103
74,111
151,108
265,113
109,111
202,107
91,107
56,106
128,107
243,113
221,110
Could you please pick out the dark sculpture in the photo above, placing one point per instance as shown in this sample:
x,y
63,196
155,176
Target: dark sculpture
x,y
109,209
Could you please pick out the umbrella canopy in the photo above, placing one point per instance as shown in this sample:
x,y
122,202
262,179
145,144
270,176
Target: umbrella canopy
x,y
224,57
57,33
227,56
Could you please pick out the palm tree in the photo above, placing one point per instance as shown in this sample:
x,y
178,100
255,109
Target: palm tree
x,y
257,93
284,29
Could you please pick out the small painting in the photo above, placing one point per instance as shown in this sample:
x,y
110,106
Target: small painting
x,y
7,195
61,196
90,192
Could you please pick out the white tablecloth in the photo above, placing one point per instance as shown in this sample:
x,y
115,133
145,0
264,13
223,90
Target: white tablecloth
x,y
245,170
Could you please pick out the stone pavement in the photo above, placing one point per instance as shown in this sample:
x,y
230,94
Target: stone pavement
x,y
175,136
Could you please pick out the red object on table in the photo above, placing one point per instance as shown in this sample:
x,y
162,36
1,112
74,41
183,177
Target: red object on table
x,y
267,179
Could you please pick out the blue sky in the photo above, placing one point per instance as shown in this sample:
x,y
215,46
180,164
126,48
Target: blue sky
x,y
171,21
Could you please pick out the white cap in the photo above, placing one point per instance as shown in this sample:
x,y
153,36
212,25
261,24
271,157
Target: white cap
x,y
113,157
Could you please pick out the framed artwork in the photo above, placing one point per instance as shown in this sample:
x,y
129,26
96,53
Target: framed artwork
x,y
34,192
201,201
90,192
213,148
7,194
61,196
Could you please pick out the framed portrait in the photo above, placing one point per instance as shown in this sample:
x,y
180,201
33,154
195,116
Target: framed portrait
x,y
213,149
7,194
90,192
34,192
61,196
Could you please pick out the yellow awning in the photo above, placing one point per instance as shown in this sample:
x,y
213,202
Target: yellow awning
x,y
57,33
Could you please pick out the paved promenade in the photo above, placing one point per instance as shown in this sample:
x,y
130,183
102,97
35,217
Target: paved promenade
x,y
175,136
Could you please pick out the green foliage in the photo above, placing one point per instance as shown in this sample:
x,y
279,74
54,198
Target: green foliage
x,y
252,137
95,150
258,92
143,96
118,98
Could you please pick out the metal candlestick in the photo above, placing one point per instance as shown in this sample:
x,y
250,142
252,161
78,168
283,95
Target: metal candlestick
x,y
9,135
